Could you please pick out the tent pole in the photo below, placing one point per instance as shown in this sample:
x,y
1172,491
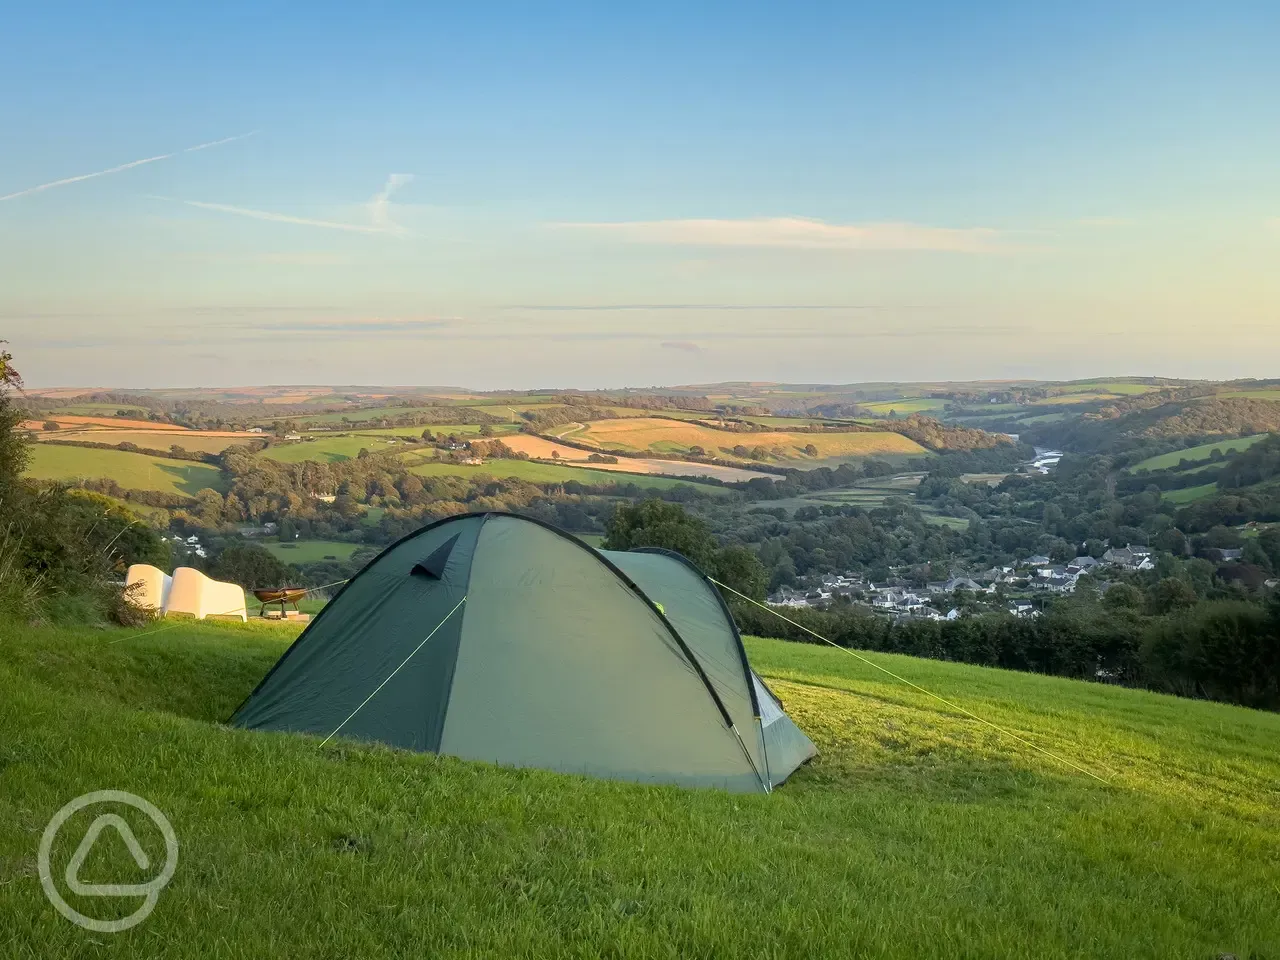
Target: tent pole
x,y
764,750
747,753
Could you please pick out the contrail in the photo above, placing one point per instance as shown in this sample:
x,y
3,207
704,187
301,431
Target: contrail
x,y
124,166
282,217
379,208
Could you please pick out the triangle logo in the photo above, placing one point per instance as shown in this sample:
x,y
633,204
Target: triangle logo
x,y
78,859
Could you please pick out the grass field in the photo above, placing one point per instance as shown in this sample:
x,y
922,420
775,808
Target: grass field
x,y
326,449
1191,494
905,406
309,551
133,471
1063,399
870,494
916,833
657,436
1195,454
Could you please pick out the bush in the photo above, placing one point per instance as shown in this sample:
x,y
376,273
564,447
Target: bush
x,y
1226,650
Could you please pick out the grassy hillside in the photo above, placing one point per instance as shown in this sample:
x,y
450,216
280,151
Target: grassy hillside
x,y
134,471
326,449
905,405
917,833
658,436
1198,453
1191,494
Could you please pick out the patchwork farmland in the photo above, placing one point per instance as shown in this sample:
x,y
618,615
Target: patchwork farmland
x,y
656,436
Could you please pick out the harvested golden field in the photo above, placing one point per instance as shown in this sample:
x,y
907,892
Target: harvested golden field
x,y
540,448
650,435
67,421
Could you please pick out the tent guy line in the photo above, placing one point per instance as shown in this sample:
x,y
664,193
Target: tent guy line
x,y
456,608
916,686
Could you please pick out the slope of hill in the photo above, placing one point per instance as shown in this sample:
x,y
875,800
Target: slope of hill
x,y
134,471
916,833
658,436
1201,453
1158,417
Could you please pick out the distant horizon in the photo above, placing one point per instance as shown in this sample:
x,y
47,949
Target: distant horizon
x,y
396,388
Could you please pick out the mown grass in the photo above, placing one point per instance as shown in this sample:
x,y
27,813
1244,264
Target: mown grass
x,y
1191,494
656,435
326,449
916,833
906,405
310,551
134,471
1198,453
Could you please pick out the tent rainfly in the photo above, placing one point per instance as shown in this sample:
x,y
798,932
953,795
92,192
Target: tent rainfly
x,y
499,638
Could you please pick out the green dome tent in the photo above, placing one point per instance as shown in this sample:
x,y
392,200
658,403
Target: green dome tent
x,y
500,638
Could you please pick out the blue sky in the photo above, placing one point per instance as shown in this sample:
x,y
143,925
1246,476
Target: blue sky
x,y
587,195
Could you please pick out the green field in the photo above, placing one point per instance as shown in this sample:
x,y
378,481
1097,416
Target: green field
x,y
537,472
906,405
133,471
326,449
1195,454
1191,494
916,833
310,551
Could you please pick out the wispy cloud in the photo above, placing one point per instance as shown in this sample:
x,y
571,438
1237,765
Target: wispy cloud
x,y
379,208
798,233
380,205
122,167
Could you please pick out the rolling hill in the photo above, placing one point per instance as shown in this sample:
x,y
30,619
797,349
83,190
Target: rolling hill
x,y
134,471
916,833
657,436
